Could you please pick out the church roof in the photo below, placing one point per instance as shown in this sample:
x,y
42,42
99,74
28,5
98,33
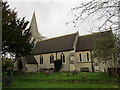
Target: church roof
x,y
58,44
86,42
30,59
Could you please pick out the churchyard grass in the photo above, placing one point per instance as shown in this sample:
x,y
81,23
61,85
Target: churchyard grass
x,y
62,80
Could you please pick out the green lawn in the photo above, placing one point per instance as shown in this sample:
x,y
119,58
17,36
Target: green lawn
x,y
61,80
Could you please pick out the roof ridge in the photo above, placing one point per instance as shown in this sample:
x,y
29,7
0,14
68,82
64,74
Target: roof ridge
x,y
94,33
58,37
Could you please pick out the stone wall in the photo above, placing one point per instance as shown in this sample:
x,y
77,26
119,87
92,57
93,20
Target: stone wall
x,y
31,67
84,62
46,60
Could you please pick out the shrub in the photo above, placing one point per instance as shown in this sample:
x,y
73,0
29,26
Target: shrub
x,y
58,65
20,65
7,68
7,65
114,71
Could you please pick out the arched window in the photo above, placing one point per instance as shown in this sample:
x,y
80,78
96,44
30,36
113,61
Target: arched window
x,y
63,58
87,56
51,58
41,59
80,57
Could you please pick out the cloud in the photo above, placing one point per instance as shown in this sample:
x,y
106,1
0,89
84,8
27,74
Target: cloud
x,y
51,16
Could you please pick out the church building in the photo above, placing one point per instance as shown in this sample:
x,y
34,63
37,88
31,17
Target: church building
x,y
75,51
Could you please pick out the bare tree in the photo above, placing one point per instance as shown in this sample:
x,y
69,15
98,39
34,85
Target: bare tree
x,y
102,14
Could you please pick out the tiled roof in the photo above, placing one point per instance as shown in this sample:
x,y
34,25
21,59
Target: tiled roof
x,y
58,44
86,42
30,59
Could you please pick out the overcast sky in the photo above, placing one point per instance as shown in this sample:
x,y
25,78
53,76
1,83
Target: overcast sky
x,y
51,15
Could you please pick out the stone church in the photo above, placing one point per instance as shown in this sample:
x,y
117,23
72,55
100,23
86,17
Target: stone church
x,y
74,50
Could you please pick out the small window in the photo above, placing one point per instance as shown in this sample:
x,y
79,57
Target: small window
x,y
51,58
63,58
80,57
87,56
41,59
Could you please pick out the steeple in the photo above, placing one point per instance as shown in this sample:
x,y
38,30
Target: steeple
x,y
34,30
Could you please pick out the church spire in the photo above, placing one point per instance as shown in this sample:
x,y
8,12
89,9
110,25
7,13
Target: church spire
x,y
34,29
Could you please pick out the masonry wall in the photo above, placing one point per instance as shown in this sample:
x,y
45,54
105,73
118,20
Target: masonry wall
x,y
67,66
46,60
84,62
31,67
